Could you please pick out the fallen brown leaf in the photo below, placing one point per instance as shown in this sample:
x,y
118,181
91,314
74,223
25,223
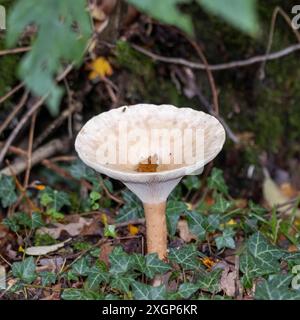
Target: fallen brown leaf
x,y
73,228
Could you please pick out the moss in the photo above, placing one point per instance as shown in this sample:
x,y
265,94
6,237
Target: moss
x,y
145,82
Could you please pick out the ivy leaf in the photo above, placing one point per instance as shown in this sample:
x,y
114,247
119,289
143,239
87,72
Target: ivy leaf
x,y
77,294
166,11
221,205
216,181
212,222
8,194
240,14
81,267
196,222
144,292
120,261
186,290
11,223
155,266
79,171
57,39
132,209
276,288
173,212
192,182
36,220
122,283
47,277
226,239
267,254
210,281
25,270
54,199
95,277
251,268
186,256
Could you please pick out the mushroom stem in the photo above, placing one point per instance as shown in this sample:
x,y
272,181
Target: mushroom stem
x,y
156,228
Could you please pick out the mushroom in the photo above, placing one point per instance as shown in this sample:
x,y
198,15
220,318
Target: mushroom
x,y
150,148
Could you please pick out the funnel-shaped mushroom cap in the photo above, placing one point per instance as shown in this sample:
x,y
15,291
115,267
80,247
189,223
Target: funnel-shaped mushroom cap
x,y
170,142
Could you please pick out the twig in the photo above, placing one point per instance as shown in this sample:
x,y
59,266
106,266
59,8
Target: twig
x,y
56,123
15,150
221,66
28,114
19,126
14,50
63,158
29,151
11,92
62,172
13,113
111,196
209,76
277,10
38,155
126,223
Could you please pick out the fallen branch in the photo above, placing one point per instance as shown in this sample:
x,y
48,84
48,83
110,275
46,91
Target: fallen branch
x,y
11,92
47,150
221,66
56,124
14,51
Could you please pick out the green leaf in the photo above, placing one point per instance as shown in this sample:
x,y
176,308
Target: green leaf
x,y
186,256
276,288
186,290
8,194
225,240
192,182
81,267
77,294
25,270
122,283
48,278
110,231
144,292
196,222
173,212
132,209
216,181
267,254
166,11
210,281
240,14
221,205
120,261
54,199
212,222
57,39
79,171
11,223
95,277
36,220
251,268
155,266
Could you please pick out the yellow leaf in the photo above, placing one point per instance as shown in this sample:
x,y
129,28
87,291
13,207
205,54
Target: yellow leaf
x,y
231,222
100,67
104,219
133,230
21,249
